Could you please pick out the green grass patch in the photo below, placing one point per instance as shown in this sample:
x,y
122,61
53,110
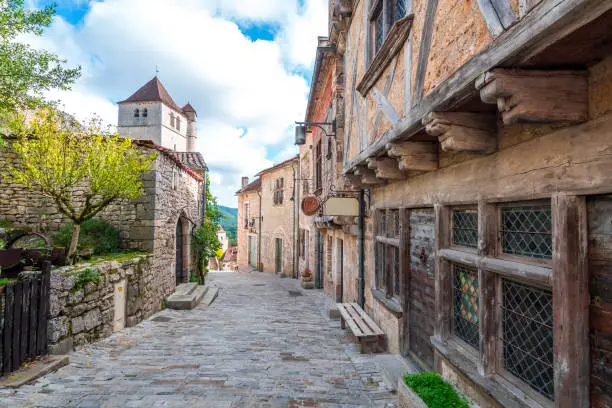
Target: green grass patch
x,y
86,276
119,257
5,223
434,391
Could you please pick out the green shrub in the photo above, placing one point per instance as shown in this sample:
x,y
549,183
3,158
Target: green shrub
x,y
434,391
97,234
4,223
85,276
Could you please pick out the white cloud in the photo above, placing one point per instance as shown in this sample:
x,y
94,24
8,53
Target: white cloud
x,y
234,83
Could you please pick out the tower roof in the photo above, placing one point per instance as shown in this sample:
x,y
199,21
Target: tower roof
x,y
153,91
188,108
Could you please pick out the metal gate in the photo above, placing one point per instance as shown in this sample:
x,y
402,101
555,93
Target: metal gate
x,y
179,252
279,255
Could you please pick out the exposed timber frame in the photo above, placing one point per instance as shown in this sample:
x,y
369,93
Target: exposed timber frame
x,y
498,15
543,26
463,132
414,156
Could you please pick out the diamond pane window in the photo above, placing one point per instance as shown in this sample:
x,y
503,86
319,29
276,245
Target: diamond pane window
x,y
393,223
527,231
378,31
399,10
528,335
465,305
465,228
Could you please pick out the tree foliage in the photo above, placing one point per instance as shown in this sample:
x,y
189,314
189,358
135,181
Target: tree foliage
x,y
25,72
82,168
205,240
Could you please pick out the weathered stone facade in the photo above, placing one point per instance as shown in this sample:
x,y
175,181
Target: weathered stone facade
x,y
82,312
249,224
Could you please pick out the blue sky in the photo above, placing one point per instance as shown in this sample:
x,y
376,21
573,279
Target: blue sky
x,y
245,67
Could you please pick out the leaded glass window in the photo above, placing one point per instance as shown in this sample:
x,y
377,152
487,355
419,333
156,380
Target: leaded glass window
x,y
399,9
527,231
381,265
465,228
465,305
393,223
528,335
379,36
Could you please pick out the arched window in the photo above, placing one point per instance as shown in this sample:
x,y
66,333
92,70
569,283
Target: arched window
x,y
178,123
136,113
145,112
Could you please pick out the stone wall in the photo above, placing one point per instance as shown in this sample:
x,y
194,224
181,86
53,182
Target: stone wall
x,y
84,312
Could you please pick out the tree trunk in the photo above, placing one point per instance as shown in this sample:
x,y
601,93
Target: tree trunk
x,y
72,251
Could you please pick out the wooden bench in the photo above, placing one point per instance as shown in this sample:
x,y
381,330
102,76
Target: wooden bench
x,y
371,337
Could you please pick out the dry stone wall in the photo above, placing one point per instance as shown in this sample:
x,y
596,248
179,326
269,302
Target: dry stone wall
x,y
82,312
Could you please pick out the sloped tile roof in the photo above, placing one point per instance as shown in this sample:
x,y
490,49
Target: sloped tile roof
x,y
193,160
255,185
153,91
277,166
171,155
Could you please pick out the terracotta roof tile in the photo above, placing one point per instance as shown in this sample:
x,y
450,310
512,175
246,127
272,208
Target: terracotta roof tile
x,y
255,185
193,160
153,91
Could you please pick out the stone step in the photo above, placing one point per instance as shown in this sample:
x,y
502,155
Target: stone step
x,y
393,367
210,296
185,289
194,296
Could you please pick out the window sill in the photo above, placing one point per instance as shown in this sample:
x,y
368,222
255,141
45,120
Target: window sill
x,y
488,385
391,305
390,48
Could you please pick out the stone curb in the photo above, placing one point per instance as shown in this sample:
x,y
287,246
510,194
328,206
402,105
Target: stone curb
x,y
27,375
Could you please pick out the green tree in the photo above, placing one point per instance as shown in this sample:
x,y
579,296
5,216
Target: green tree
x,y
205,240
82,168
25,73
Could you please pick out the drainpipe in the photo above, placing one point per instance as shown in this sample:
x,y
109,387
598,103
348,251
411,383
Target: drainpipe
x,y
259,268
293,219
361,249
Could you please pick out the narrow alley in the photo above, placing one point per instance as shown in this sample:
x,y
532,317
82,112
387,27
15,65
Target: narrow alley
x,y
263,343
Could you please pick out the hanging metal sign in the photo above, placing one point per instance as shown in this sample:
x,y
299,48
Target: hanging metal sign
x,y
310,205
342,206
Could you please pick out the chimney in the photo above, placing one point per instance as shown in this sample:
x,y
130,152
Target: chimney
x,y
245,182
192,135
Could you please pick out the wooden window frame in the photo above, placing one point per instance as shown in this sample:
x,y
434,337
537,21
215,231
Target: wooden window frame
x,y
246,215
451,243
386,242
278,197
386,11
569,291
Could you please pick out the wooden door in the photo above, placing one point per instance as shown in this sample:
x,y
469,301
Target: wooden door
x,y
252,252
421,286
279,256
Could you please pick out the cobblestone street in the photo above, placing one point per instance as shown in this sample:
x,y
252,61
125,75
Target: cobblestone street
x,y
264,342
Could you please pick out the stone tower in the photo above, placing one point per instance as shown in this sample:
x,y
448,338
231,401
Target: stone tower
x,y
151,114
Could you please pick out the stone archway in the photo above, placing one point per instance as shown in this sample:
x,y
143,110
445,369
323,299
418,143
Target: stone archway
x,y
182,250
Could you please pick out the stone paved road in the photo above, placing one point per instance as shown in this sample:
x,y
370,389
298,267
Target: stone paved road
x,y
257,345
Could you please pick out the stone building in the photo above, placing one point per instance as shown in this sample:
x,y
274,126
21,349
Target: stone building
x,y
478,136
266,213
161,221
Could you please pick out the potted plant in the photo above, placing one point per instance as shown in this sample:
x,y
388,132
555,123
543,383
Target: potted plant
x,y
307,282
428,390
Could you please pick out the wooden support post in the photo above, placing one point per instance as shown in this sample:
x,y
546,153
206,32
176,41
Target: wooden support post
x,y
570,301
385,168
487,238
414,156
463,132
527,96
443,274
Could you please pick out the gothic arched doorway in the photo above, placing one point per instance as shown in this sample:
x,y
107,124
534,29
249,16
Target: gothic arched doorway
x,y
179,253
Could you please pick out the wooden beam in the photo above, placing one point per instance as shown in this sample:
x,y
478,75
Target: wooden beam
x,y
498,15
368,176
526,96
414,156
426,35
487,308
461,132
570,301
354,180
386,168
543,26
443,276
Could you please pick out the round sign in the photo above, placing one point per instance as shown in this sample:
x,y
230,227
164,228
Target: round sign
x,y
310,205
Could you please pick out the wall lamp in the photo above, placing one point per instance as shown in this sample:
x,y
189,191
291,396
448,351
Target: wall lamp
x,y
300,130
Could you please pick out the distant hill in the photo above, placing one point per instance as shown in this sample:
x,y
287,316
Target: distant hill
x,y
229,223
